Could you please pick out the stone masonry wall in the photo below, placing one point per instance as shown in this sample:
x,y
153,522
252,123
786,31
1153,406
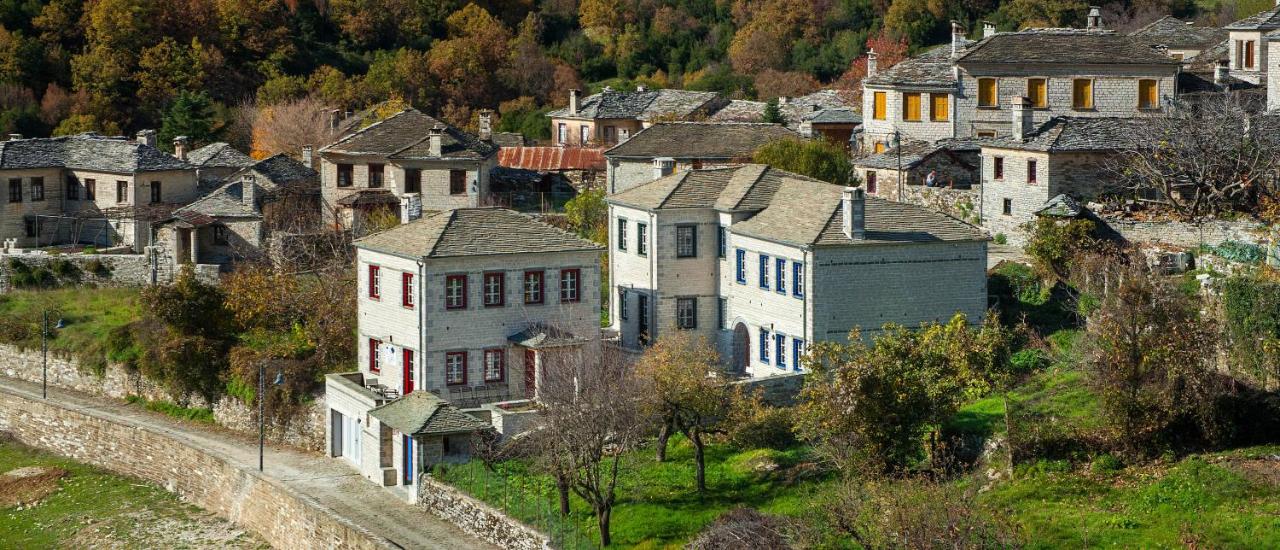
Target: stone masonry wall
x,y
1188,235
477,518
121,269
281,516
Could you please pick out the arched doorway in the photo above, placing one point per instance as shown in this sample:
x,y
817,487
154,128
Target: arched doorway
x,y
741,348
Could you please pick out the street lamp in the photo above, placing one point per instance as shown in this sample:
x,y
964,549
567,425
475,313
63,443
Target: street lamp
x,y
897,144
44,351
262,398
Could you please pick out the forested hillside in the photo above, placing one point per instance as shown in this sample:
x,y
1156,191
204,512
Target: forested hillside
x,y
198,67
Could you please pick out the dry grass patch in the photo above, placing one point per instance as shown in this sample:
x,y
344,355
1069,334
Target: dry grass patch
x,y
28,485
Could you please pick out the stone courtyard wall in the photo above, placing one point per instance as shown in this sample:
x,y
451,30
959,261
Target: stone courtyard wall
x,y
477,518
1188,235
118,270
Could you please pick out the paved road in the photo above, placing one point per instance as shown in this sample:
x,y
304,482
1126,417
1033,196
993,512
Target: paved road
x,y
328,481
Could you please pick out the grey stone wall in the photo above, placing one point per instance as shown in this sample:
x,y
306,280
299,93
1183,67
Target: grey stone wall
x,y
957,203
477,518
121,270
781,390
1189,235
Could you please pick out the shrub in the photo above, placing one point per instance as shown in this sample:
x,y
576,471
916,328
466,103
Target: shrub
x,y
914,513
98,268
1000,238
1053,244
742,528
90,250
64,269
1028,360
754,424
819,159
1105,463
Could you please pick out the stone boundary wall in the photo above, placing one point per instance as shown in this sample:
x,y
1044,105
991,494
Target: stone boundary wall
x,y
961,204
1188,235
283,517
121,269
306,431
780,390
477,518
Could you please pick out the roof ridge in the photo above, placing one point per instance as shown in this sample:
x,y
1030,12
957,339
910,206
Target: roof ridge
x,y
754,182
440,236
366,129
684,176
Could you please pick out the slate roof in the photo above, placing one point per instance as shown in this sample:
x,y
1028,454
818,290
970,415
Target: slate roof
x,y
422,413
87,152
915,152
1066,46
1061,206
223,202
612,104
1065,133
739,110
1177,34
545,159
474,232
219,155
841,115
541,336
744,188
933,68
284,171
404,136
1265,21
702,140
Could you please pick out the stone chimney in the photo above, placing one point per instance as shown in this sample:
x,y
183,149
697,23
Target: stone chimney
x,y
249,191
663,167
147,137
485,125
957,38
871,63
643,88
180,147
1221,70
435,139
989,28
15,137
335,119
307,156
1023,122
1095,18
573,101
855,213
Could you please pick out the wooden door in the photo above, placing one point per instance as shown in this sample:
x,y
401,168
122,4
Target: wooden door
x,y
530,373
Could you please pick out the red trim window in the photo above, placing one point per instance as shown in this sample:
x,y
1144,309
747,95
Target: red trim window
x,y
570,285
375,282
495,289
455,368
406,289
455,292
533,287
374,345
409,371
495,365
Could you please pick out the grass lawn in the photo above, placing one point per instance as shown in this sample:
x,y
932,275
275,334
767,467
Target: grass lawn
x,y
90,508
89,316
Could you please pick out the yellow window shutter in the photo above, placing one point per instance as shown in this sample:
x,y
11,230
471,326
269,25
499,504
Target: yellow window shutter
x,y
1082,96
1037,91
987,92
878,113
939,107
911,107
1149,94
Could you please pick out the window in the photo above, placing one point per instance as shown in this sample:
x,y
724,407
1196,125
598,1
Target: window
x,y
15,189
878,106
764,271
90,189
455,368
622,234
686,313
1008,207
122,191
741,271
1082,94
37,189
797,351
780,350
722,306
494,365
797,279
412,180
1148,94
878,147
73,188
457,182
642,239
31,226
987,92
1031,171
570,285
1038,92
871,181
723,242
375,176
495,289
533,287
1244,49
584,132
911,107
610,134
455,292
997,170
780,275
220,235
986,133
622,304
374,365
155,192
686,241
764,345
375,282
345,175
939,107
410,373
562,133
642,322
406,290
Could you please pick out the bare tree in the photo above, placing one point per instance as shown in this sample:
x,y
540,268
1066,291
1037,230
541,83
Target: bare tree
x,y
1204,156
288,126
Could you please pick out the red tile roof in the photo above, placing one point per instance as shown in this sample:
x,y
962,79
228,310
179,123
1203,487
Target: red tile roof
x,y
546,159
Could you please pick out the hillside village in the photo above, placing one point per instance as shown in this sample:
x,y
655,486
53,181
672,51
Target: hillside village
x,y
1004,261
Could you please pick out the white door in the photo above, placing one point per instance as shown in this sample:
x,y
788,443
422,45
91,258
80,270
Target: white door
x,y
351,439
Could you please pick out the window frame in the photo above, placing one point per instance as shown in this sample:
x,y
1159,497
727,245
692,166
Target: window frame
x,y
220,235
1076,104
692,251
485,279
1006,207
501,354
797,279
345,169
621,235
458,282
37,184
879,105
408,363
933,107
780,350
122,191
997,168
90,189
780,276
1040,100
642,239
413,180
723,242
872,179
574,275
1032,170
687,320
541,277
375,362
449,380
764,345
456,178
1154,104
375,282
406,289
622,304
992,102
797,352
73,188
764,272
375,168
740,273
562,132
156,192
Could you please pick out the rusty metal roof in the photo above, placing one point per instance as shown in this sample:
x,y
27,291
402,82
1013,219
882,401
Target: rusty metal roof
x,y
550,159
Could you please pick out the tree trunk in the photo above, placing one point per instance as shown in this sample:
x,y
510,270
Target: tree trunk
x,y
562,487
699,460
602,516
663,435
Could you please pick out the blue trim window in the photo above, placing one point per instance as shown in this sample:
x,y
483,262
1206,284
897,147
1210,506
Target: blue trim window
x,y
742,266
780,274
764,271
780,349
797,279
764,345
797,351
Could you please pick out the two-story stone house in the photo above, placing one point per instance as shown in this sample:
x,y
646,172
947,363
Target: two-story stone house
x,y
668,147
763,262
1247,50
1181,40
409,158
613,116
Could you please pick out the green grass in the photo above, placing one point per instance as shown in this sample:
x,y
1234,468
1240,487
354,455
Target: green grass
x,y
197,414
89,316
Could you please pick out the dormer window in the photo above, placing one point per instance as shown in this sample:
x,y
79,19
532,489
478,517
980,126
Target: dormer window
x,y
988,91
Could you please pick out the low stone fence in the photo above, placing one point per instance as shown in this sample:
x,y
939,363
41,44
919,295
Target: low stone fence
x,y
781,390
1188,235
477,518
305,431
957,203
211,481
100,269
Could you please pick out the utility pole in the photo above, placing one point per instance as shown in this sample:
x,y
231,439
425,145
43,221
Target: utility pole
x,y
262,390
897,144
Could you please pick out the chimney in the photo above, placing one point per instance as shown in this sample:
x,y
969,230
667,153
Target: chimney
x,y
249,191
147,137
1220,72
335,119
643,88
782,100
1023,122
434,138
307,153
663,166
15,137
855,213
957,38
485,124
573,101
989,28
871,62
180,147
1095,18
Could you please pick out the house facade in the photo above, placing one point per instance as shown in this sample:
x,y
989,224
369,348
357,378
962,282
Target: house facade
x,y
669,147
1247,49
763,263
612,116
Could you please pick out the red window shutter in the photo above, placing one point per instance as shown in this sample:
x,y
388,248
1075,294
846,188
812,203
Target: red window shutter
x,y
408,371
373,281
373,356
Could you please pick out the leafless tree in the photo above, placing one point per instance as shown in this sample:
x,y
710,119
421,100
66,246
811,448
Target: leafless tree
x,y
288,126
1203,156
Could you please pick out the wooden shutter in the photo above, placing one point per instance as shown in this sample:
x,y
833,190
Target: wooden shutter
x,y
1082,93
911,107
939,108
987,92
879,107
1148,94
1038,92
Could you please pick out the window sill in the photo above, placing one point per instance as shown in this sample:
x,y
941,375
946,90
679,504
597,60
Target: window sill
x,y
495,305
574,301
1084,109
455,308
1150,109
534,303
989,107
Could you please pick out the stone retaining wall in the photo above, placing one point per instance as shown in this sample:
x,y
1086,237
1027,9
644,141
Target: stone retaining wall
x,y
283,517
1188,235
477,518
781,390
106,269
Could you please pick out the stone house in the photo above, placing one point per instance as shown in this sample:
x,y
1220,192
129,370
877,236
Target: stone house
x,y
763,262
669,147
214,163
88,189
840,126
1247,48
547,169
407,163
1181,40
954,163
613,116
